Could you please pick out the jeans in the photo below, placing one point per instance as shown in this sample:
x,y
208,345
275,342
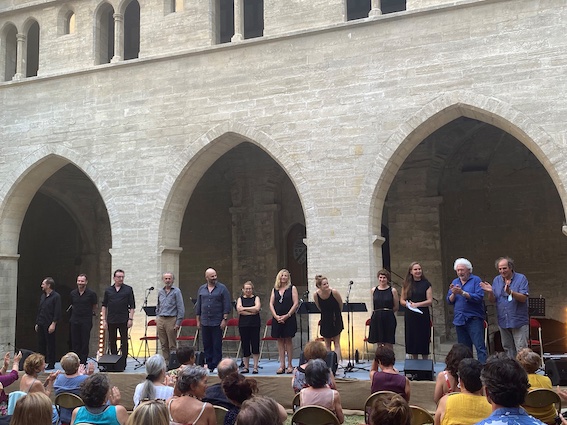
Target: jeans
x,y
212,345
472,333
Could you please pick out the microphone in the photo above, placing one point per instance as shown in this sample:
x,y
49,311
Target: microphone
x,y
351,282
151,288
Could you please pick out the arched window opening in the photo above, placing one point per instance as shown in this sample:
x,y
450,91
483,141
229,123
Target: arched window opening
x,y
32,56
69,26
253,18
132,31
104,49
391,6
357,9
225,20
10,50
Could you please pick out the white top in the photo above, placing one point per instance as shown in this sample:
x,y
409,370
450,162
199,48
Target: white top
x,y
162,392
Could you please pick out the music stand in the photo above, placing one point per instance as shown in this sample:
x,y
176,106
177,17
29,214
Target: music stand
x,y
305,307
536,307
350,308
150,311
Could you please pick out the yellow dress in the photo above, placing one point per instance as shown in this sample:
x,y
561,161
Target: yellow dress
x,y
545,414
465,409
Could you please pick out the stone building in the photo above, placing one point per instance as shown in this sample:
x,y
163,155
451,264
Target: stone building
x,y
330,137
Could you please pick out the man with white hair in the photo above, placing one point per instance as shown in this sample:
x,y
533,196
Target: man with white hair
x,y
466,295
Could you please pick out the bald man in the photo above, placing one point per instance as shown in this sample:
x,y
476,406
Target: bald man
x,y
212,310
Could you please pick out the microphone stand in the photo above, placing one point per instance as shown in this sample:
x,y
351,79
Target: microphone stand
x,y
349,367
146,346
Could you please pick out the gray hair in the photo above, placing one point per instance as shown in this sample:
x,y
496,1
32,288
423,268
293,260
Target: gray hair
x,y
155,366
462,262
317,373
226,367
189,377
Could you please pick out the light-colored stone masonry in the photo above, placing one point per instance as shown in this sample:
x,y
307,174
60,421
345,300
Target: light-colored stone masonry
x,y
338,108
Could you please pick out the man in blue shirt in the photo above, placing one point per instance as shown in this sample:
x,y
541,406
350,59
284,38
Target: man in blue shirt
x,y
169,315
212,309
466,295
506,385
510,292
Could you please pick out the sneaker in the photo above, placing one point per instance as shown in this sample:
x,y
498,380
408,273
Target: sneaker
x,y
215,371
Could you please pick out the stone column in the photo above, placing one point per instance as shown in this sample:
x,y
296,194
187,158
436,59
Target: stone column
x,y
118,38
375,9
20,61
170,259
238,21
9,300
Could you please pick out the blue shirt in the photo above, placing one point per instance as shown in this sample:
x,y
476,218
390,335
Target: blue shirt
x,y
510,416
70,385
466,308
511,313
212,306
171,304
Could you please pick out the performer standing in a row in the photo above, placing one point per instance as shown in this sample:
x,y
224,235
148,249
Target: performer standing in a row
x,y
170,311
330,303
284,302
385,304
48,315
417,293
84,302
248,307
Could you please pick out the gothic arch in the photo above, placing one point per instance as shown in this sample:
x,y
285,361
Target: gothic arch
x,y
436,114
187,169
23,183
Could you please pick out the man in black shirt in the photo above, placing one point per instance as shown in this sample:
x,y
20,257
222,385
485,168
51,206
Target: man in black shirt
x,y
48,315
84,303
118,307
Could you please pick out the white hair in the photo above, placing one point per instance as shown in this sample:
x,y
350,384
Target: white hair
x,y
462,262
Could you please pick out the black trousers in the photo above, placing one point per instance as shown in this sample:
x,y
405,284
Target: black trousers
x,y
112,337
46,343
80,338
250,338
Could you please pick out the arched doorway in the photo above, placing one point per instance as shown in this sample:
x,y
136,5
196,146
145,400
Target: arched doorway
x,y
65,231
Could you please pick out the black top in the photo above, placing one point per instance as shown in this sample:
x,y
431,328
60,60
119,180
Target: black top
x,y
82,310
250,320
118,303
215,395
49,309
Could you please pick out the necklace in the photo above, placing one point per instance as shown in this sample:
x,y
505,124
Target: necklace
x,y
190,395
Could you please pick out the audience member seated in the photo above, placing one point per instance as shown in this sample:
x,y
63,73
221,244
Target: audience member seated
x,y
96,392
187,407
531,362
383,375
185,357
447,380
214,393
237,389
8,378
71,380
151,412
155,385
33,366
33,409
313,350
468,407
506,385
260,410
390,409
318,392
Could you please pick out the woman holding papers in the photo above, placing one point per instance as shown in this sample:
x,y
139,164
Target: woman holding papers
x,y
417,296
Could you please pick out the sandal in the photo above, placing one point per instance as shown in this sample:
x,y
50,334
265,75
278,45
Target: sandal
x,y
255,371
280,371
289,370
245,370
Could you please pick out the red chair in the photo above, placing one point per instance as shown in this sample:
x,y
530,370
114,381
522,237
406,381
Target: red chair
x,y
188,323
146,338
232,324
535,327
266,339
367,354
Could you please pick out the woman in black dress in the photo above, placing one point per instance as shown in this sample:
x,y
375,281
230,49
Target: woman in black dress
x,y
330,303
383,321
284,302
248,307
417,293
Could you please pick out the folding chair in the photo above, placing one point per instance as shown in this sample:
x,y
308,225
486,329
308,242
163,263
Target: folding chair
x,y
267,338
188,323
314,415
233,325
146,338
367,354
535,326
296,403
537,402
370,401
67,401
420,416
220,413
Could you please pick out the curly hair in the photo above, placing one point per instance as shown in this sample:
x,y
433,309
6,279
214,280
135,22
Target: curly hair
x,y
33,364
390,409
189,377
505,380
94,390
314,350
457,353
529,360
237,388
